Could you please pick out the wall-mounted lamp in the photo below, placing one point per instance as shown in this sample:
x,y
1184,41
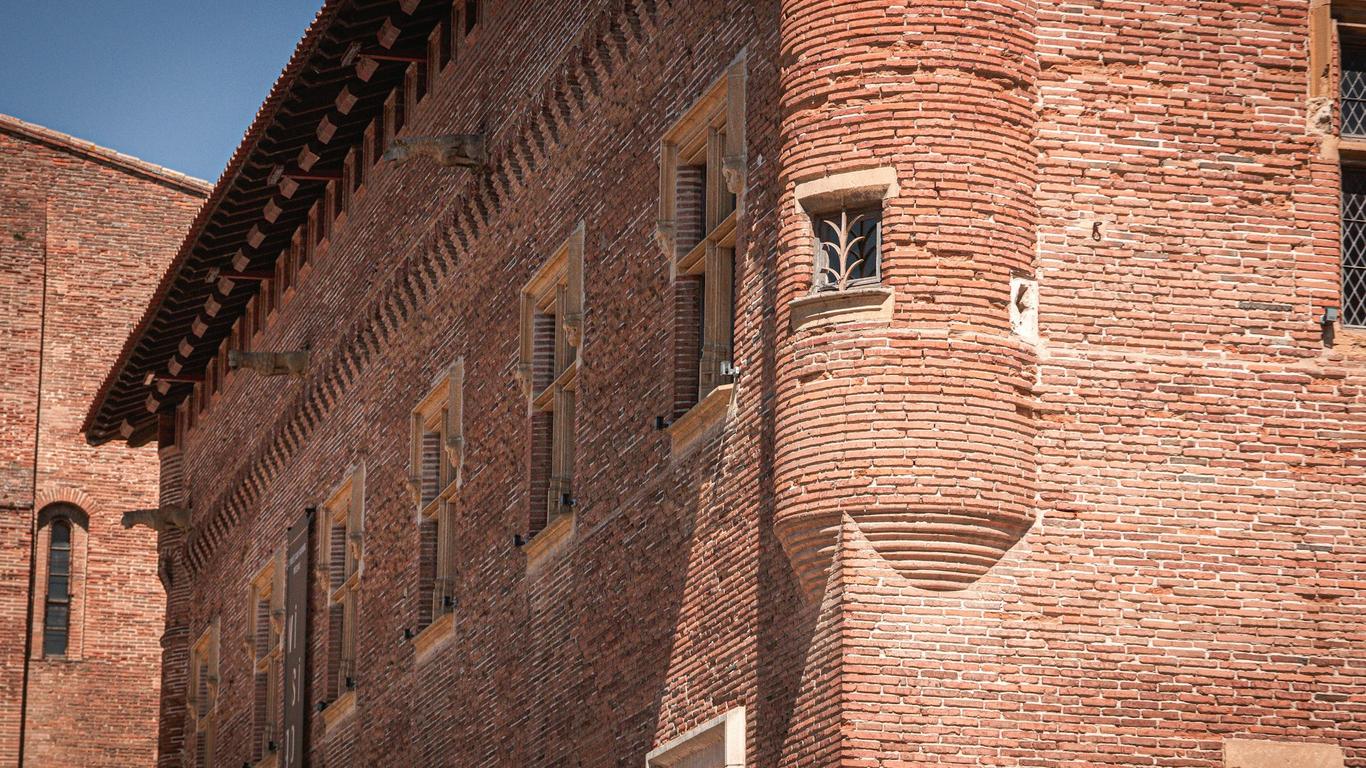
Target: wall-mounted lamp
x,y
663,422
1329,317
518,541
567,501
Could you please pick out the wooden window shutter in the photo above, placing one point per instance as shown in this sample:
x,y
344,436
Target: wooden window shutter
x,y
427,546
336,617
431,467
336,556
260,715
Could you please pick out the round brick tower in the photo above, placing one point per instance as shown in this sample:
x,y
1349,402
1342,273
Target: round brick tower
x,y
905,401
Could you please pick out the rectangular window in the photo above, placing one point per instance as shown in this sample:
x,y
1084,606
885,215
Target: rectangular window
x,y
436,457
1338,48
202,697
1354,246
702,173
849,248
265,633
552,321
342,546
1352,80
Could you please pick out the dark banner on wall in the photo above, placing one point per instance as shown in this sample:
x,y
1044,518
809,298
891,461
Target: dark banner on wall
x,y
293,748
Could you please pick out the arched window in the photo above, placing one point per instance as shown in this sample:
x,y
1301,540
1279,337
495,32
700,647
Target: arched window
x,y
57,607
59,571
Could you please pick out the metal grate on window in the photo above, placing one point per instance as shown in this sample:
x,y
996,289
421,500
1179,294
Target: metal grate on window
x,y
1353,90
849,249
1354,246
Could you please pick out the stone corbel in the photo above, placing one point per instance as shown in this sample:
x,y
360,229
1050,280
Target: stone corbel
x,y
415,488
666,236
463,150
734,169
455,453
573,328
270,363
523,374
160,519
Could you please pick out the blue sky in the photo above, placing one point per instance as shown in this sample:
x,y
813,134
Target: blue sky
x,y
174,82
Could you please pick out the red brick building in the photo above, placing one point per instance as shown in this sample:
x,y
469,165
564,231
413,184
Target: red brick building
x,y
791,383
85,233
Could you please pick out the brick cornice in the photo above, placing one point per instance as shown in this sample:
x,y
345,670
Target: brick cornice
x,y
67,143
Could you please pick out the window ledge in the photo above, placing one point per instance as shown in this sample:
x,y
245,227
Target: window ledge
x,y
549,540
339,710
270,761
1350,342
871,304
701,419
434,636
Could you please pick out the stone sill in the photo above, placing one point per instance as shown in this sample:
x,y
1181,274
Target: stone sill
x,y
871,304
700,419
549,540
269,761
339,710
435,635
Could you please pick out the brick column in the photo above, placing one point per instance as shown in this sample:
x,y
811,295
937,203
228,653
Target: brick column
x,y
175,640
904,448
918,424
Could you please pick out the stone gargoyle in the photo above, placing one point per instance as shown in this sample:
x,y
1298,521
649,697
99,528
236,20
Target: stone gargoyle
x,y
462,150
159,519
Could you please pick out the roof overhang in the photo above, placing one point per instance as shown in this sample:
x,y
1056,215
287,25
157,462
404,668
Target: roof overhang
x,y
320,87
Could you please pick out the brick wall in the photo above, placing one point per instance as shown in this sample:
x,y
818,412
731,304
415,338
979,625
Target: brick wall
x,y
1152,513
104,226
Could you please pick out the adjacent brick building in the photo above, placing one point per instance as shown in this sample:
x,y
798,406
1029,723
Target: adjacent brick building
x,y
787,383
85,233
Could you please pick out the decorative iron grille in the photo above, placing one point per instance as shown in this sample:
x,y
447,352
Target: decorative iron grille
x,y
1352,92
1353,246
849,250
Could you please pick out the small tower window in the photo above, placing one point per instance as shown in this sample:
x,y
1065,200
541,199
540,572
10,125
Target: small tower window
x,y
849,248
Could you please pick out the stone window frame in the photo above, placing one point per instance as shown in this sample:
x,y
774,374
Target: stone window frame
x,y
265,648
728,730
548,369
201,699
439,415
342,565
69,513
819,199
709,142
1328,21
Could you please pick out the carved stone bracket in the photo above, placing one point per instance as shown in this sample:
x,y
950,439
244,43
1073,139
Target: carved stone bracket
x,y
455,454
733,168
666,237
573,328
523,374
415,488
